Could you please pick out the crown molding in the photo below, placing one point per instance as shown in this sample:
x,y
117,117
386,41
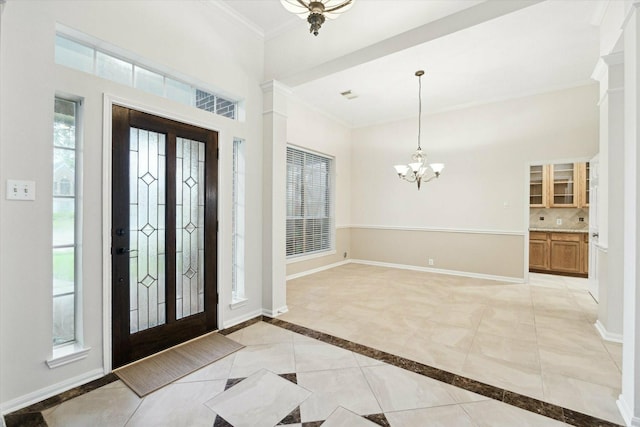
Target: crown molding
x,y
275,85
237,16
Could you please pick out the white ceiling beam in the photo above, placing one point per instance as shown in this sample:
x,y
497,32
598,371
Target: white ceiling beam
x,y
458,21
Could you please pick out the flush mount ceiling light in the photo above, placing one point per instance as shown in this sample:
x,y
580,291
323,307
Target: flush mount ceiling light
x,y
315,12
418,171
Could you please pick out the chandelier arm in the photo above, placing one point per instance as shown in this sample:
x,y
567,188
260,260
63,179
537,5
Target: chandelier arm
x,y
338,7
303,4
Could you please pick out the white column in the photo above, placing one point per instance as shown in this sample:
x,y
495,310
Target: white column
x,y
610,74
629,401
274,288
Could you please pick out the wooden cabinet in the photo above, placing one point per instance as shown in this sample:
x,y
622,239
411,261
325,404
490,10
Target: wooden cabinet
x,y
565,252
538,251
538,186
562,185
559,253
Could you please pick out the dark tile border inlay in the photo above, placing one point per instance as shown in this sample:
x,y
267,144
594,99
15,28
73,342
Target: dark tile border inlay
x,y
379,419
221,422
514,399
290,377
231,382
293,418
31,416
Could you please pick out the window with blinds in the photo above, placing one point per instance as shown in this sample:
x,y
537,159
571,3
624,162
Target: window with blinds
x,y
309,202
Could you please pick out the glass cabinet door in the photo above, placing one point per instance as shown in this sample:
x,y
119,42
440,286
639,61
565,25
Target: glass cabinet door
x,y
563,188
538,186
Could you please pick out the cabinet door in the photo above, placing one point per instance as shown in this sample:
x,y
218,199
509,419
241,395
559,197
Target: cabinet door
x,y
538,183
565,256
563,188
538,255
584,184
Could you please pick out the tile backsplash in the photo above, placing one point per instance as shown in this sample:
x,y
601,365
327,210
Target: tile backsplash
x,y
570,218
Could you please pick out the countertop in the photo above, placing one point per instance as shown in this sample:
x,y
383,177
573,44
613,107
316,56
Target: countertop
x,y
558,230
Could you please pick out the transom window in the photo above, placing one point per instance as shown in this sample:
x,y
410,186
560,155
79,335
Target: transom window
x,y
309,203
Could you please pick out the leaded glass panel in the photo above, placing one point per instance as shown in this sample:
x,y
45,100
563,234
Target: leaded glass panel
x,y
189,227
147,247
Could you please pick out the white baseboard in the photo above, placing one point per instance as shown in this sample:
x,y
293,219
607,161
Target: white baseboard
x,y
606,335
317,270
626,413
237,320
47,392
441,271
275,313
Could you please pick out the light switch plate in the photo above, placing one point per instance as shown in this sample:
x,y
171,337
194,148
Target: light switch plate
x,y
21,190
559,221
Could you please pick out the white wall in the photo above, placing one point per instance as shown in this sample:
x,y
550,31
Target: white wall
x,y
197,43
486,150
308,128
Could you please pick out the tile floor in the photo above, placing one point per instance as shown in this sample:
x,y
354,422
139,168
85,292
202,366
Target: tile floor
x,y
538,339
291,379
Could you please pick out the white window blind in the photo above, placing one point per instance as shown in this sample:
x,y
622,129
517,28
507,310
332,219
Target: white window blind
x,y
309,202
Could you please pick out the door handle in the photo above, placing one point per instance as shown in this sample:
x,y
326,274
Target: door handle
x,y
122,251
595,235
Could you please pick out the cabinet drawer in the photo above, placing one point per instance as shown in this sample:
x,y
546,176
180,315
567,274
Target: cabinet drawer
x,y
566,237
537,235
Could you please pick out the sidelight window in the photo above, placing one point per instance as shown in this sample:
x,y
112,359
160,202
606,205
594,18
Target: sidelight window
x,y
66,236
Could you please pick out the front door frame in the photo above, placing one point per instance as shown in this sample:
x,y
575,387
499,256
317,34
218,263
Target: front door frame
x,y
108,101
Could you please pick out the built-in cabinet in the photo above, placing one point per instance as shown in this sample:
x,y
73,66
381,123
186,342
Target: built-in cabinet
x,y
560,253
561,185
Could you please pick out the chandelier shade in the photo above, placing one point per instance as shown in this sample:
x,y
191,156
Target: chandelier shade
x,y
315,12
418,170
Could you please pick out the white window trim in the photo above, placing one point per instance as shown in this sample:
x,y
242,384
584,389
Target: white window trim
x,y
67,353
332,249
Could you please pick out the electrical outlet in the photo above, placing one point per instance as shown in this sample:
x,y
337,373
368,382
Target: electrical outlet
x,y
559,221
541,218
581,219
430,261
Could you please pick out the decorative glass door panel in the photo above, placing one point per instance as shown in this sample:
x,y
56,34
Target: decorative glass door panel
x,y
538,186
164,234
189,227
147,209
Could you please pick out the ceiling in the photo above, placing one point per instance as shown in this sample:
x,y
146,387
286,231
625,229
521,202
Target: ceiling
x,y
473,52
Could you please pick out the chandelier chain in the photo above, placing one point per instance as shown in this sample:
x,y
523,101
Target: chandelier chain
x,y
419,109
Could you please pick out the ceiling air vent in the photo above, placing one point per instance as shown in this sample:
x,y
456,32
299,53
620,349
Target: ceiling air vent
x,y
348,94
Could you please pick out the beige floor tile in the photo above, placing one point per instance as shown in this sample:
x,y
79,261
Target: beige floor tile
x,y
615,351
261,400
498,373
318,356
507,329
442,416
340,387
178,404
264,333
110,407
344,418
397,389
491,413
515,352
584,367
433,354
583,396
278,358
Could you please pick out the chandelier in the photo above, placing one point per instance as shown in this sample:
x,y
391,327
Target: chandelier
x,y
316,11
418,170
